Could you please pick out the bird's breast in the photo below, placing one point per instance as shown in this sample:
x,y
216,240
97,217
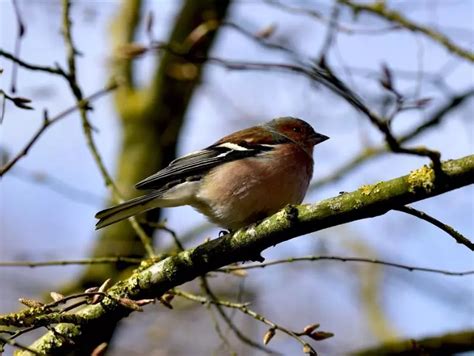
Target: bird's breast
x,y
241,192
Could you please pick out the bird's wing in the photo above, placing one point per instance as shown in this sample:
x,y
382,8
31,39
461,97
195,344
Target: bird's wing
x,y
194,165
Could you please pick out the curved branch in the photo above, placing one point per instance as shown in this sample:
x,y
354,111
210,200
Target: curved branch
x,y
247,244
370,153
379,9
460,238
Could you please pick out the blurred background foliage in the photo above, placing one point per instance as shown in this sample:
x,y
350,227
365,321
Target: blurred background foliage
x,y
166,105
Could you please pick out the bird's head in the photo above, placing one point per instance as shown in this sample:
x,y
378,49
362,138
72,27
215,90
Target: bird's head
x,y
297,130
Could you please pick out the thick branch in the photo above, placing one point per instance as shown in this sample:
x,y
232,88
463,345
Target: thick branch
x,y
247,244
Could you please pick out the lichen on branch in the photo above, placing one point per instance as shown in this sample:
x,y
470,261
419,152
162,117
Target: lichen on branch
x,y
247,244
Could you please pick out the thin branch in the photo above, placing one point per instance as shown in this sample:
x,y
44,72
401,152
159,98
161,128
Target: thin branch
x,y
460,239
84,261
245,309
204,300
346,259
71,59
213,298
321,18
322,76
319,74
331,33
207,289
369,153
136,261
264,42
34,67
437,117
47,122
379,9
220,334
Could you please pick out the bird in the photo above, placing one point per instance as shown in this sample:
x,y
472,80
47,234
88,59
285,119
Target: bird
x,y
239,180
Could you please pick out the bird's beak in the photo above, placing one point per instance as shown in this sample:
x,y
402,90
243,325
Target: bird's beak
x,y
318,138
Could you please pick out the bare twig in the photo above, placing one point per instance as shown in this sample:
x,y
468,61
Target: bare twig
x,y
47,122
344,259
460,239
330,34
245,339
135,261
85,261
369,153
71,59
245,309
207,289
325,77
264,42
321,18
379,9
34,67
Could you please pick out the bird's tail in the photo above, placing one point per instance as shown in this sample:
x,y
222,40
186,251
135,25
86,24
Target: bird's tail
x,y
127,209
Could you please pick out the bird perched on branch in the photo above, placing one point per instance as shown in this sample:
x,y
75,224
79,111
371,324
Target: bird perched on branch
x,y
242,178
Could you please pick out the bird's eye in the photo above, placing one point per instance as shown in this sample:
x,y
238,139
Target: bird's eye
x,y
297,129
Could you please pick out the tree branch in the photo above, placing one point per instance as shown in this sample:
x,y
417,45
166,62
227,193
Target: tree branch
x,y
410,268
460,239
379,9
35,67
370,153
47,122
448,344
247,244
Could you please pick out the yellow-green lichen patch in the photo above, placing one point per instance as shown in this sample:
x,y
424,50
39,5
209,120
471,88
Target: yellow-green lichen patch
x,y
251,232
422,178
376,188
366,190
358,204
335,206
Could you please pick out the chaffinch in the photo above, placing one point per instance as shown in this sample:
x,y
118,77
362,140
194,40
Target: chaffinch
x,y
242,178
